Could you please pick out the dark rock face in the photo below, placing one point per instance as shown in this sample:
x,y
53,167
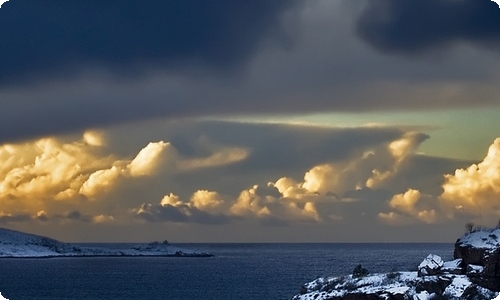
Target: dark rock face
x,y
435,285
377,296
476,292
487,258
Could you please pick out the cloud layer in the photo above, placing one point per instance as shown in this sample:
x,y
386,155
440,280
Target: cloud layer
x,y
176,60
399,26
62,38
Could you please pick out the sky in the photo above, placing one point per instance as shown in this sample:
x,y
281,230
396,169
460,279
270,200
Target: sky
x,y
249,121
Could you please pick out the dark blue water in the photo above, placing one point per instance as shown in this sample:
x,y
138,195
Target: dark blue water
x,y
238,271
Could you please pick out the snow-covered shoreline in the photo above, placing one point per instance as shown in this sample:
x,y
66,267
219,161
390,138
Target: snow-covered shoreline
x,y
472,275
15,244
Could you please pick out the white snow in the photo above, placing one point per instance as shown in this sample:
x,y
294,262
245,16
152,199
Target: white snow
x,y
18,244
457,287
380,284
424,295
431,262
452,265
482,239
387,285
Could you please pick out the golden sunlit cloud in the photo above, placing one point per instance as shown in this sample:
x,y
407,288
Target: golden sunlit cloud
x,y
35,175
149,159
249,202
99,219
410,204
220,157
475,190
372,169
94,138
207,200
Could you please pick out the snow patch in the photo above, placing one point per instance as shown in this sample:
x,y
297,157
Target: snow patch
x,y
423,296
482,238
457,287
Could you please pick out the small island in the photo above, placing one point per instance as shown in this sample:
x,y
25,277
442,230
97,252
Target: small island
x,y
15,244
473,274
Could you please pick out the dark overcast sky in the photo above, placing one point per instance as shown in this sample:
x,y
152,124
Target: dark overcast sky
x,y
272,117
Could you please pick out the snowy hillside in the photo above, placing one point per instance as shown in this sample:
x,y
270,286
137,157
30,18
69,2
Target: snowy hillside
x,y
19,244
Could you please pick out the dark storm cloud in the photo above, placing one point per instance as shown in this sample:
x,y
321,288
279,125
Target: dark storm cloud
x,y
412,26
42,38
71,216
325,70
5,219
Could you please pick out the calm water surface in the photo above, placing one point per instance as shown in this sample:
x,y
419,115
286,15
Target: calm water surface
x,y
238,271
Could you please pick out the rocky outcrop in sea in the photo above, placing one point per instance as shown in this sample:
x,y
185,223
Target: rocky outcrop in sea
x,y
473,274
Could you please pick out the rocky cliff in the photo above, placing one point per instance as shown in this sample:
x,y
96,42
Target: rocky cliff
x,y
480,254
474,274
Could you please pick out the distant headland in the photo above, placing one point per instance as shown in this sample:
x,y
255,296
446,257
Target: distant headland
x,y
17,244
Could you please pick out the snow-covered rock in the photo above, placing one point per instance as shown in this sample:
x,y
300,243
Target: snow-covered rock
x,y
19,244
431,265
406,285
473,270
482,238
453,267
480,252
474,274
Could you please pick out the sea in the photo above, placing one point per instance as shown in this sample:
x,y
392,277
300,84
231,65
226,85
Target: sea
x,y
237,271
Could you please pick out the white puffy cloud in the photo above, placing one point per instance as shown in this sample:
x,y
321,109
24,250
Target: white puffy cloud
x,y
34,175
94,138
45,169
472,191
172,200
99,219
98,182
411,204
372,169
173,209
149,159
476,189
49,172
212,208
207,200
298,200
252,203
249,202
405,202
